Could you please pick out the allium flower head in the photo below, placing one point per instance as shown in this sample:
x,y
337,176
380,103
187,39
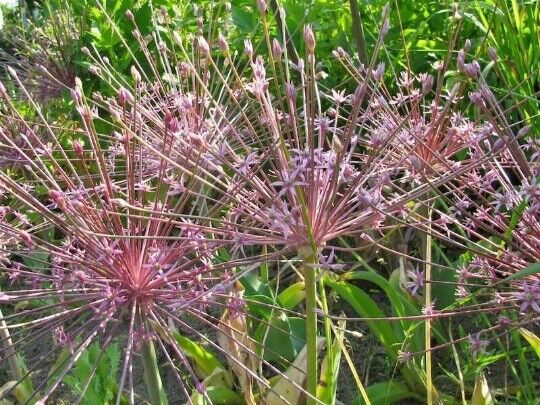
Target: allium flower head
x,y
44,55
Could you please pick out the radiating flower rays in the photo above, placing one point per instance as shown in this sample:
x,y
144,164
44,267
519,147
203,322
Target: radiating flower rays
x,y
496,218
109,241
44,54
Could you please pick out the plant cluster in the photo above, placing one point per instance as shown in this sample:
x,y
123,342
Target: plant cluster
x,y
207,220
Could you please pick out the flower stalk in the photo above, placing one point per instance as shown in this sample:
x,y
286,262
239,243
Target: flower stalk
x,y
24,392
309,258
428,304
152,379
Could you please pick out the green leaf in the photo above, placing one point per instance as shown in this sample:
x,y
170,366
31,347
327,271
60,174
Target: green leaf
x,y
282,338
387,392
527,271
37,260
366,307
218,396
242,19
263,309
204,360
292,295
283,390
401,306
254,286
328,379
516,216
533,340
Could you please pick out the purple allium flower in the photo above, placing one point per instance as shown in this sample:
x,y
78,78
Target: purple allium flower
x,y
416,281
46,55
529,297
476,344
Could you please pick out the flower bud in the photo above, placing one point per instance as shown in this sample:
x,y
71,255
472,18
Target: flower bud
x,y
124,96
492,53
379,72
76,94
58,198
427,83
472,69
309,38
248,47
130,16
171,123
177,38
461,60
78,149
342,53
223,44
358,93
261,5
476,98
95,70
282,13
290,91
523,131
203,45
27,238
135,74
3,91
276,49
385,27
12,72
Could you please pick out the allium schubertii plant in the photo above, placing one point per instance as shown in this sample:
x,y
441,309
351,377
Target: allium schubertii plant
x,y
202,170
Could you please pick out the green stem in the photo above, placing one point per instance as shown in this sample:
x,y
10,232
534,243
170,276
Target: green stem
x,y
264,266
329,378
358,31
309,257
152,378
18,372
427,303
